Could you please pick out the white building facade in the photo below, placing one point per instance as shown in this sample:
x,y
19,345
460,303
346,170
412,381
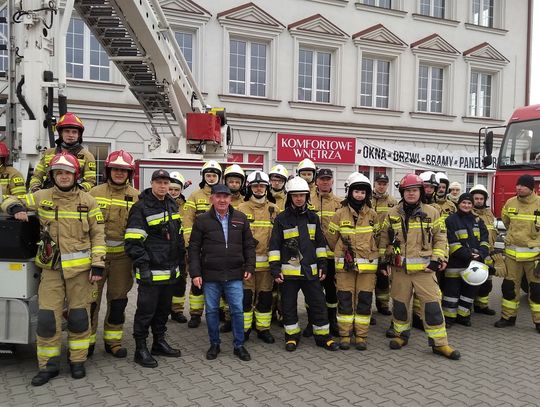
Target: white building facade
x,y
388,86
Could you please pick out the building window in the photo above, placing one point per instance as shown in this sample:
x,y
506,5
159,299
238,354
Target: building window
x,y
378,3
247,68
185,42
251,158
314,69
432,8
375,83
475,178
85,58
480,94
372,172
482,12
430,88
100,152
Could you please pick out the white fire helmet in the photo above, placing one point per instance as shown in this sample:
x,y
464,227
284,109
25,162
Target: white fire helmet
x,y
258,177
357,178
476,274
297,185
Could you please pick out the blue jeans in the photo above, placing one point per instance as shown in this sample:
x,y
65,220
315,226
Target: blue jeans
x,y
234,294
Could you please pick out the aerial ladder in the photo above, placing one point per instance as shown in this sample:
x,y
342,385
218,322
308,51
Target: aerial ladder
x,y
139,41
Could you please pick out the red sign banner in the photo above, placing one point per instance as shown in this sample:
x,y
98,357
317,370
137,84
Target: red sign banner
x,y
320,149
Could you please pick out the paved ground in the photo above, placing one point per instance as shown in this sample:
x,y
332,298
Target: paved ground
x,y
498,367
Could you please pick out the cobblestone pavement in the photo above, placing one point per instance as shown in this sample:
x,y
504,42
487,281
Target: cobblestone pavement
x,y
498,367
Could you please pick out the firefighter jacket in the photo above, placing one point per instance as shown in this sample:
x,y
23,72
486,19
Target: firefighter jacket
x,y
11,182
354,235
467,234
73,224
215,258
87,162
154,239
414,240
180,201
280,197
381,204
325,204
521,216
297,245
115,201
446,206
197,203
236,200
489,220
261,216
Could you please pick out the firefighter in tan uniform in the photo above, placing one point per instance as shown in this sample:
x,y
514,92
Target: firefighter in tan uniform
x,y
521,216
70,253
115,198
260,212
179,290
381,202
325,203
447,206
278,175
494,260
307,170
352,234
11,180
415,234
197,203
70,131
234,177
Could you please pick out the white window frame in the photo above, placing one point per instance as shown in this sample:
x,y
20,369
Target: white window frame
x,y
194,50
429,89
314,71
246,32
375,82
447,62
396,8
499,7
480,104
86,65
493,68
247,67
432,8
100,140
4,55
335,48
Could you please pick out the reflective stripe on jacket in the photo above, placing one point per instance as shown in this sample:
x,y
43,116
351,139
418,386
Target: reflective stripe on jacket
x,y
521,216
261,218
115,202
197,203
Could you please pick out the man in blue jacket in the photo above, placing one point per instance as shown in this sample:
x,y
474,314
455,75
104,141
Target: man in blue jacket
x,y
221,255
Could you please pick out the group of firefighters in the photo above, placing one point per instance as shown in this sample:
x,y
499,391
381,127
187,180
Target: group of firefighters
x,y
342,253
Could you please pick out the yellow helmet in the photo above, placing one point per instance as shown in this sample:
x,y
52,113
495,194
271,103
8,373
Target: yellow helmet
x,y
306,164
212,166
280,171
234,170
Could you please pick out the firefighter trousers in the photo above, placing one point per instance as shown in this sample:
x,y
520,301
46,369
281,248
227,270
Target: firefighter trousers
x,y
179,295
511,289
481,301
458,296
314,297
258,300
153,308
426,288
382,291
355,299
55,291
329,285
119,278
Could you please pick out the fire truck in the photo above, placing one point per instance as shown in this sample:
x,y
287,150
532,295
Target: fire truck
x,y
519,154
139,41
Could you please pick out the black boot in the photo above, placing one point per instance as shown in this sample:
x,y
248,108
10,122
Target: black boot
x,y
465,321
117,351
503,323
194,322
226,327
178,317
266,336
372,321
77,370
538,328
43,377
91,349
142,355
390,333
484,310
332,320
160,347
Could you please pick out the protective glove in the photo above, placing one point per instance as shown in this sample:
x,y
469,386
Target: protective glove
x,y
97,271
145,275
434,265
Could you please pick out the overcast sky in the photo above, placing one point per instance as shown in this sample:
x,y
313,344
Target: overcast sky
x,y
535,68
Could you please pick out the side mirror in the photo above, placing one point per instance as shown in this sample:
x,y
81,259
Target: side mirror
x,y
487,161
488,143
